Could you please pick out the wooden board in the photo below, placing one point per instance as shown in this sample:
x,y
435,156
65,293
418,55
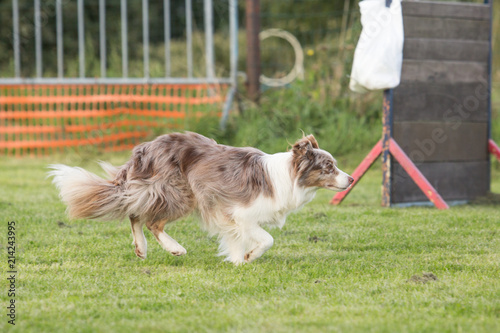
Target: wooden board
x,y
433,71
445,28
453,181
446,49
446,9
441,142
440,109
422,101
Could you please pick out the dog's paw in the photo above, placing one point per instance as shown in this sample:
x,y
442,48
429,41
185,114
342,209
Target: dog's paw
x,y
248,257
140,254
178,251
237,261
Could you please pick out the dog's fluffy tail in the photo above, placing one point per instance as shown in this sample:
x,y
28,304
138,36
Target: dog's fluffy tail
x,y
87,195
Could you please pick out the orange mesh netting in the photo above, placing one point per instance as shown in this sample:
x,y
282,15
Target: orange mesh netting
x,y
40,119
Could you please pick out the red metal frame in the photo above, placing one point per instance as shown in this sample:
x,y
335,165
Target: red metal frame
x,y
407,165
494,149
359,172
403,159
417,176
388,148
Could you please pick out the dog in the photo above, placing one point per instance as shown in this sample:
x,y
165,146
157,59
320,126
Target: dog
x,y
235,191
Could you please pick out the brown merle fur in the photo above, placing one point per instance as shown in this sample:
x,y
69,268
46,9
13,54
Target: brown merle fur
x,y
162,176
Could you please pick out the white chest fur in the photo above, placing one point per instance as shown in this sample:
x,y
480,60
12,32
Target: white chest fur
x,y
288,196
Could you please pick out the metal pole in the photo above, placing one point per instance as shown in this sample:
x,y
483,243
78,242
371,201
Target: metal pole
x,y
386,155
166,22
123,9
189,37
145,36
15,29
38,39
102,36
233,60
81,40
209,38
233,40
253,49
59,33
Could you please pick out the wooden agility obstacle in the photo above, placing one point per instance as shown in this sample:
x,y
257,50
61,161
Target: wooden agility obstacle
x,y
436,140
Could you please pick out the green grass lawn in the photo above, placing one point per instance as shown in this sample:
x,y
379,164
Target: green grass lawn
x,y
332,269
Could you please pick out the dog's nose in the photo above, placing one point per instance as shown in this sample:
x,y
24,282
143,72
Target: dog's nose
x,y
351,180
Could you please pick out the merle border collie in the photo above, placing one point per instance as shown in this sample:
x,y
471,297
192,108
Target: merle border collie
x,y
235,191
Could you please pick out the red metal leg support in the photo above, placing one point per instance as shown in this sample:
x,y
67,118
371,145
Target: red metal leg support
x,y
359,172
388,147
417,176
494,149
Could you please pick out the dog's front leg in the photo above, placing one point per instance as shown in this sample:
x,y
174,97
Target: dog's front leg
x,y
260,241
232,245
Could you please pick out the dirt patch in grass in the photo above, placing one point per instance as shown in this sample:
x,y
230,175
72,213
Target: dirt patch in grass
x,y
61,224
425,278
320,215
316,239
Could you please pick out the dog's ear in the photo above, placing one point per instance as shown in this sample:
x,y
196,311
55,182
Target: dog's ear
x,y
312,140
305,146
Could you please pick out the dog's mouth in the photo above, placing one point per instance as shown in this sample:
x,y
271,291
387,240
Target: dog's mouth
x,y
336,188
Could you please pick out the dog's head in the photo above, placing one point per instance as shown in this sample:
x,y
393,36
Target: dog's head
x,y
315,167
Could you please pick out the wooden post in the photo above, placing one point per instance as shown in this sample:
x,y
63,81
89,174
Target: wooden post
x,y
253,49
386,156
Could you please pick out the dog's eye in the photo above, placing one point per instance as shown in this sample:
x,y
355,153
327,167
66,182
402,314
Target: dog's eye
x,y
328,169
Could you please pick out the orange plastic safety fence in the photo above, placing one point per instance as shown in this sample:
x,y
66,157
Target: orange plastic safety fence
x,y
40,119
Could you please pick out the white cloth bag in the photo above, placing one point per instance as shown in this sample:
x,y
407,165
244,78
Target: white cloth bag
x,y
379,53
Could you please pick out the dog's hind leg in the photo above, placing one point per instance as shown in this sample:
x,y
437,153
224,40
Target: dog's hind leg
x,y
141,245
167,242
260,241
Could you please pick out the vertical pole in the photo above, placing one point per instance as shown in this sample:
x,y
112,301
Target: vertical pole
x,y
386,140
189,37
166,22
145,36
490,3
209,38
59,33
81,40
233,60
345,14
38,39
253,48
124,22
15,29
386,156
233,41
102,36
